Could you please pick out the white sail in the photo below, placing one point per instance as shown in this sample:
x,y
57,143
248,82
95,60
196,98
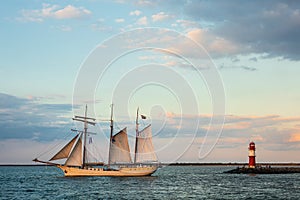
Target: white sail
x,y
65,151
119,148
144,147
75,158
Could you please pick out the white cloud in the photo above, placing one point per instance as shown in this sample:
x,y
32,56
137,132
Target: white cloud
x,y
213,44
145,3
142,21
120,20
54,12
100,25
187,23
160,17
173,63
70,12
136,13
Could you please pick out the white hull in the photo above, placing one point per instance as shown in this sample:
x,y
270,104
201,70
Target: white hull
x,y
124,171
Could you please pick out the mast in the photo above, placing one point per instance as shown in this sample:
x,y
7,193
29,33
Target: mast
x,y
84,132
136,133
84,135
111,132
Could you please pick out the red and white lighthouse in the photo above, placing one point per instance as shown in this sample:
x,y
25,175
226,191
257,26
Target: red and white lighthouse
x,y
251,155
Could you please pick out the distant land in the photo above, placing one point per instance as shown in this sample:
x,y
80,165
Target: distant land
x,y
232,164
192,164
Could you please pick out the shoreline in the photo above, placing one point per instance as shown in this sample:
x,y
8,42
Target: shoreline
x,y
234,164
179,164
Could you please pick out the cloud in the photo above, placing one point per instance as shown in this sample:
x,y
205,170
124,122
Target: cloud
x,y
264,27
100,25
120,20
142,21
234,59
55,12
28,119
274,132
27,126
135,13
174,63
196,43
273,135
186,24
214,45
294,137
144,3
254,59
9,101
71,12
270,129
247,68
160,17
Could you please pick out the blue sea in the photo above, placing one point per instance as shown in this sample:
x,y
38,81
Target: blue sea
x,y
171,182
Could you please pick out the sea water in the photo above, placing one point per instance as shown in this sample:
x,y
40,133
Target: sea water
x,y
172,182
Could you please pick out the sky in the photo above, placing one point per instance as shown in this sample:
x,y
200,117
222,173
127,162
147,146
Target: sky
x,y
210,76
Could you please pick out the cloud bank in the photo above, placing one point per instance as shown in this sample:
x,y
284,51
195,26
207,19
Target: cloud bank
x,y
270,27
253,27
55,12
23,118
26,122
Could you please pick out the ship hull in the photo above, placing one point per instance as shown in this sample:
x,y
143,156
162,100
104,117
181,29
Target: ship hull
x,y
124,171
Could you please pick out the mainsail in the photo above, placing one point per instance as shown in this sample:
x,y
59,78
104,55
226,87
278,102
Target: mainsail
x,y
144,147
65,151
75,158
119,148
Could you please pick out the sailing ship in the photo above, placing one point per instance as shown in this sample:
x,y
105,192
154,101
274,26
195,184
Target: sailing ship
x,y
119,159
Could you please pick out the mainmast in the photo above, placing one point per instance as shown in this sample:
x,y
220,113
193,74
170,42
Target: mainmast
x,y
84,134
136,133
86,122
111,132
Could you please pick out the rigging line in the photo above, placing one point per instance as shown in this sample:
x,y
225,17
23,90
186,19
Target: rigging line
x,y
49,148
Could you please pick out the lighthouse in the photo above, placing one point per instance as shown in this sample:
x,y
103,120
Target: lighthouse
x,y
251,155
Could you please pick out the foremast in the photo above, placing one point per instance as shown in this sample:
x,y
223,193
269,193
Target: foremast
x,y
86,121
136,133
111,134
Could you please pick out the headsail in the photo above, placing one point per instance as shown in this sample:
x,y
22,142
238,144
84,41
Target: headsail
x,y
144,147
75,158
119,149
65,151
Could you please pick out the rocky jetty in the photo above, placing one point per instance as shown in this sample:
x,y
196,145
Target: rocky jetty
x,y
264,170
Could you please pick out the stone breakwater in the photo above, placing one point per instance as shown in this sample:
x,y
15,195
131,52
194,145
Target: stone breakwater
x,y
264,170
